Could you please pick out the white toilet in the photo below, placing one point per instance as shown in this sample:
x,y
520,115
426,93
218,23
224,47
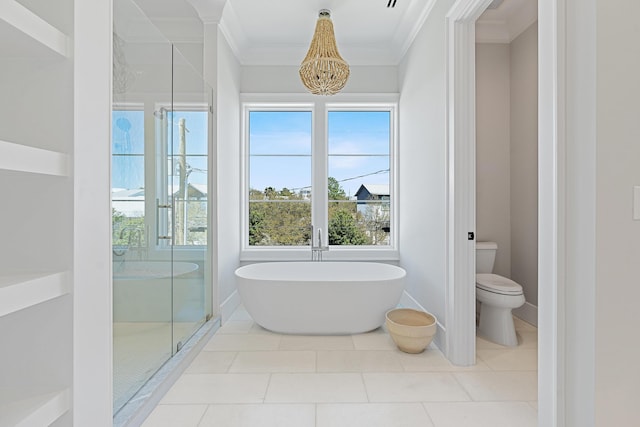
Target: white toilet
x,y
498,296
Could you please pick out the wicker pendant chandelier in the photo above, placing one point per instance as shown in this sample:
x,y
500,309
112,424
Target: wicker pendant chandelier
x,y
323,70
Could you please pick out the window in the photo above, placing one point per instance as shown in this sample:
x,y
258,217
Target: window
x,y
358,181
320,163
127,174
279,178
187,129
162,203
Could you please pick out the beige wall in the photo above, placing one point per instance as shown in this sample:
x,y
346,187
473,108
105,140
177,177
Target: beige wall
x,y
524,162
493,185
506,156
617,292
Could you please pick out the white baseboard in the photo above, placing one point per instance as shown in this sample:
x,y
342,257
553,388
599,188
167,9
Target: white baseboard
x,y
407,301
229,305
528,313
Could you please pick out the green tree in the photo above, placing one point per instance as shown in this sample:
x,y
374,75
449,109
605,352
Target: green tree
x,y
335,190
344,230
278,218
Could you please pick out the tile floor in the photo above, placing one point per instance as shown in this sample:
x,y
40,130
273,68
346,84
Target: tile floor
x,y
247,376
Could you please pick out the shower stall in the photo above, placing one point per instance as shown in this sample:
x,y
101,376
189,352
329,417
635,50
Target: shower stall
x,y
161,127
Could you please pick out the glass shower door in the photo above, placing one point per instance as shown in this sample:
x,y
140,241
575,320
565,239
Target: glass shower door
x,y
188,185
142,274
160,198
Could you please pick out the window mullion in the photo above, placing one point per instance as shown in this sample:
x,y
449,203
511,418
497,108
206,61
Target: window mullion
x,y
319,171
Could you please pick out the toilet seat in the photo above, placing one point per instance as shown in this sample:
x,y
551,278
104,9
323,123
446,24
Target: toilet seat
x,y
497,284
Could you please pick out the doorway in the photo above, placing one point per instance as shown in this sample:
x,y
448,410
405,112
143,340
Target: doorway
x,y
461,134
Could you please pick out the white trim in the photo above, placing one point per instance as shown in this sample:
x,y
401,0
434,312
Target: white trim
x,y
36,410
405,33
92,276
34,27
551,211
498,27
229,305
528,313
461,206
319,109
23,291
22,158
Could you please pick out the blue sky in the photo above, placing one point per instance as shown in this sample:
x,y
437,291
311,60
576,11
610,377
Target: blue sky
x,y
128,139
280,148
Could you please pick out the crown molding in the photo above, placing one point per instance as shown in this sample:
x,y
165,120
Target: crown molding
x,y
406,33
496,27
209,11
391,53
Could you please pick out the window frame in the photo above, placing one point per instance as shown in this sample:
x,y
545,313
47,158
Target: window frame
x,y
320,108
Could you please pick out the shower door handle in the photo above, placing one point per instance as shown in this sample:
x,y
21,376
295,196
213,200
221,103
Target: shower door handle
x,y
158,235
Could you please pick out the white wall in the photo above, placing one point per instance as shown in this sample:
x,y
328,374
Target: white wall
x,y
422,163
285,79
228,167
493,162
524,161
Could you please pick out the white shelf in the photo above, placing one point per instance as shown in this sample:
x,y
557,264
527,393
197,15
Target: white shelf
x,y
17,24
34,411
18,292
22,158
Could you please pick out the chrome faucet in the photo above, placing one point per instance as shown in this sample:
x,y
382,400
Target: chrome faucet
x,y
316,251
135,237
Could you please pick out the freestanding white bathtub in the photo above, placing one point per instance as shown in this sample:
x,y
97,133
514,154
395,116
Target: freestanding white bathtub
x,y
320,298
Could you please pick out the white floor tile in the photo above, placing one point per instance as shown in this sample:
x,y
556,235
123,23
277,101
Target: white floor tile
x,y
316,342
372,415
521,325
316,388
250,376
510,360
240,314
500,386
243,342
527,339
175,415
257,329
211,362
482,414
482,344
373,341
236,327
413,387
358,361
274,361
218,388
432,360
267,415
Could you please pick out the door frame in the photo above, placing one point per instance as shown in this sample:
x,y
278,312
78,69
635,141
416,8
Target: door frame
x,y
460,292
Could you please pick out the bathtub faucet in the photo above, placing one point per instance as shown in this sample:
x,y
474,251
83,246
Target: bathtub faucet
x,y
135,239
316,251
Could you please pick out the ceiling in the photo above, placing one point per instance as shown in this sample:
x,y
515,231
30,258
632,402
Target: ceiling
x,y
278,32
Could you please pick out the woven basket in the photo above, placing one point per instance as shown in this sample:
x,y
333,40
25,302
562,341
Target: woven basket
x,y
411,330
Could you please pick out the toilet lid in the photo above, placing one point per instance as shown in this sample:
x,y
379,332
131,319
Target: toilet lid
x,y
497,284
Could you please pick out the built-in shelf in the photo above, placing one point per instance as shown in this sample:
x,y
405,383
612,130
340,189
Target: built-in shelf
x,y
16,21
21,291
22,158
37,410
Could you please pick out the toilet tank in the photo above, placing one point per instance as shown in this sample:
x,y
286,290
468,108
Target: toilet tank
x,y
485,256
